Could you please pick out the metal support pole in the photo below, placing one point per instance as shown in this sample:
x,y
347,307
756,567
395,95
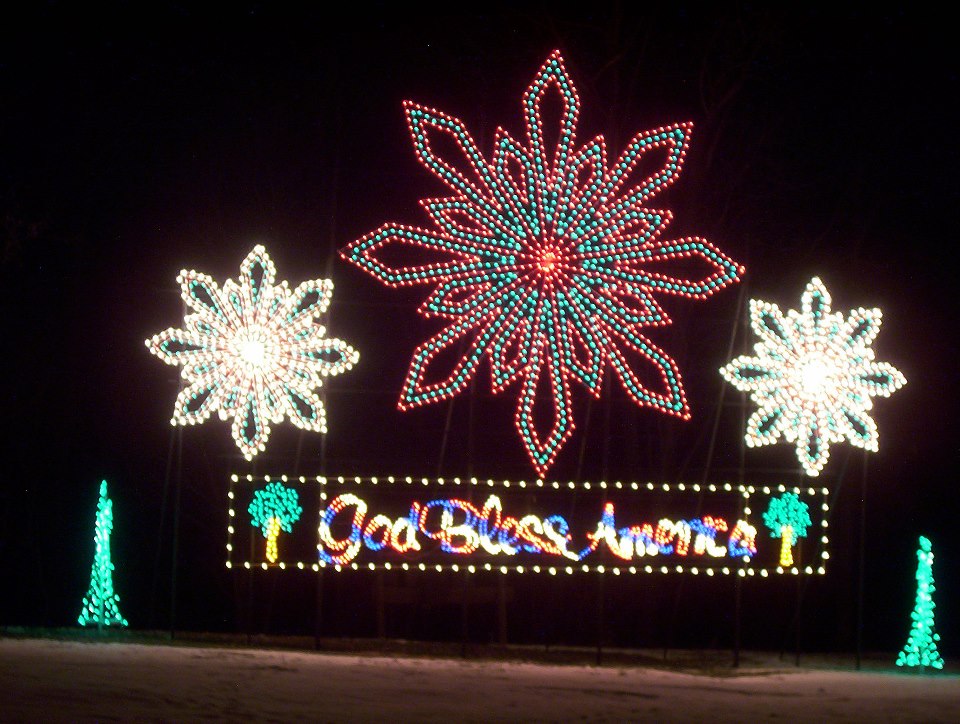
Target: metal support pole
x,y
464,615
861,572
502,610
737,592
600,609
800,588
381,606
178,486
318,619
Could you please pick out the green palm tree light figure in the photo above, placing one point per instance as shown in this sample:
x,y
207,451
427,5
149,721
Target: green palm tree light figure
x,y
100,603
273,509
787,517
921,649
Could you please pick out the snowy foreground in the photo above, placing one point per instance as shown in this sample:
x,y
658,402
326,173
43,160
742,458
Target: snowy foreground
x,y
77,681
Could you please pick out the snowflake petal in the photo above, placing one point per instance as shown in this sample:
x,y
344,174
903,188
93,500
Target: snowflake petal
x,y
673,138
509,350
416,390
458,297
179,346
309,300
583,347
477,230
201,293
327,356
619,237
543,448
465,175
813,443
815,301
640,350
550,164
630,306
250,430
510,335
858,428
364,253
269,391
516,187
880,378
258,275
197,402
304,408
768,322
209,327
765,426
750,374
861,327
232,304
585,177
723,270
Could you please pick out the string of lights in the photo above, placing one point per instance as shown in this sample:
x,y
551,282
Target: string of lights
x,y
352,534
273,509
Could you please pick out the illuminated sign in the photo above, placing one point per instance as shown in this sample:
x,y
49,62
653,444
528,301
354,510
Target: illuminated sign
x,y
528,527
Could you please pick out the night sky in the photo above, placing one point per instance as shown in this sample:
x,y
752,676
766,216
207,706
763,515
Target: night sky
x,y
140,139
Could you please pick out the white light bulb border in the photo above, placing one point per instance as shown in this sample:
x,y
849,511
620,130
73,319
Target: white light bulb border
x,y
331,486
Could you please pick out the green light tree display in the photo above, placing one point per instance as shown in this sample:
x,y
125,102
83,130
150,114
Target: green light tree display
x,y
787,517
273,509
100,603
921,649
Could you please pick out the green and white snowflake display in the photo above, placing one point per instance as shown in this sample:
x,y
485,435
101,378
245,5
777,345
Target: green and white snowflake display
x,y
253,351
813,377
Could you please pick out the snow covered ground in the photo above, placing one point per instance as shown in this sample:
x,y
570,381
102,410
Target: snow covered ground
x,y
79,681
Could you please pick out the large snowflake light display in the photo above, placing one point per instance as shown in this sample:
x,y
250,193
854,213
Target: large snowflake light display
x,y
253,351
550,263
813,377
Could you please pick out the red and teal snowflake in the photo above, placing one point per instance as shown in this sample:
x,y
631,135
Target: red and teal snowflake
x,y
550,263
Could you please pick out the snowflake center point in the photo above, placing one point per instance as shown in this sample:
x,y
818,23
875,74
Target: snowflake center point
x,y
548,261
253,352
815,377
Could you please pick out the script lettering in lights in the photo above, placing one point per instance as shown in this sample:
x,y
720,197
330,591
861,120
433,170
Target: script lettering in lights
x,y
538,527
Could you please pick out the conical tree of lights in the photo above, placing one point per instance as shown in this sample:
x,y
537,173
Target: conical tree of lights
x,y
100,604
547,260
921,649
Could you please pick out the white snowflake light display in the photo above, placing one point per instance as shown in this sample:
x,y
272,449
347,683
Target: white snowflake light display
x,y
253,351
813,376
